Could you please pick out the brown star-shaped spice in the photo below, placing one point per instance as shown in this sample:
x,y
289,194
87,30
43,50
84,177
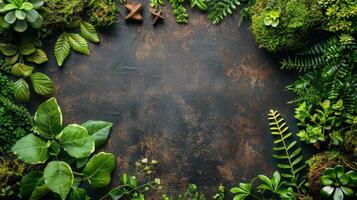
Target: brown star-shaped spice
x,y
134,10
157,16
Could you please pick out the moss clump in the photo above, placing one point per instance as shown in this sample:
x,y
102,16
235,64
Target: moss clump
x,y
350,142
102,12
296,19
15,120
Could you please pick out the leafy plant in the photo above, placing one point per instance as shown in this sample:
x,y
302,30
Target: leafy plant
x,y
269,188
190,193
179,11
130,186
19,14
156,3
77,42
63,149
219,9
201,4
272,18
286,151
338,184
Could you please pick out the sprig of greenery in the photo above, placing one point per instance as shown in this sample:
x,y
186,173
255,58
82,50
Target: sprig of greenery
x,y
219,9
287,153
156,3
179,11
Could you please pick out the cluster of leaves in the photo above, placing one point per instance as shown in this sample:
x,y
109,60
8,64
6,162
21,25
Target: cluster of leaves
x,y
219,9
11,172
296,19
77,42
63,149
179,11
156,3
20,14
135,187
340,16
15,120
338,184
15,55
192,193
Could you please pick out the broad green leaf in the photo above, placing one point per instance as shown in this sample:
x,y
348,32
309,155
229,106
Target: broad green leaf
x,y
26,48
10,17
20,69
347,191
9,7
76,142
26,6
37,57
48,118
78,194
99,130
88,31
116,194
20,26
338,194
59,178
78,43
32,16
38,23
98,169
12,59
39,192
31,149
29,182
8,49
42,84
62,49
21,15
37,3
326,191
22,90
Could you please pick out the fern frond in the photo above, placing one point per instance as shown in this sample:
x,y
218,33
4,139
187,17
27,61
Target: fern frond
x,y
219,9
288,155
302,64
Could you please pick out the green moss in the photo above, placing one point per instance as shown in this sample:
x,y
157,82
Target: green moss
x,y
350,142
102,12
15,120
297,18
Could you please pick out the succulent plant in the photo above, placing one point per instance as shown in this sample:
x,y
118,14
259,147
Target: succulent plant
x,y
20,14
338,184
272,18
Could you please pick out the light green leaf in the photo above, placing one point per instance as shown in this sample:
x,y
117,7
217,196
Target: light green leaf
x,y
10,17
9,7
37,57
22,90
59,178
26,48
48,118
29,182
8,49
98,169
39,192
26,6
99,130
62,49
12,59
21,15
37,3
78,194
20,69
76,141
78,43
38,23
42,84
20,26
31,149
88,31
32,16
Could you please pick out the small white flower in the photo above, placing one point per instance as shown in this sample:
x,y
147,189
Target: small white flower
x,y
157,181
145,160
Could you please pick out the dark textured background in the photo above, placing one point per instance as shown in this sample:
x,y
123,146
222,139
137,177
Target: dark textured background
x,y
195,97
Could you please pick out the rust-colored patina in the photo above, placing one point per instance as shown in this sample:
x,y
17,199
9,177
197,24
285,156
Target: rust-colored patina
x,y
194,97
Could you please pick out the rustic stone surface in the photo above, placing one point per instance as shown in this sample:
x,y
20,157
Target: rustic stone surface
x,y
194,97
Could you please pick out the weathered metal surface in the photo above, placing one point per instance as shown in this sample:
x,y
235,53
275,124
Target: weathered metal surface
x,y
195,97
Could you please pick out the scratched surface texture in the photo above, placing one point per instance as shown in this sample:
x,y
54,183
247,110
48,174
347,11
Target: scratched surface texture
x,y
194,97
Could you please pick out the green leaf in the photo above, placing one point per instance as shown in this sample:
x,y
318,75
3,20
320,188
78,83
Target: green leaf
x,y
326,191
26,6
99,130
22,90
31,149
338,194
20,26
76,141
21,15
325,180
38,23
37,3
39,192
81,162
48,118
9,7
32,16
42,84
124,179
98,169
10,17
26,48
78,43
29,182
8,49
12,59
62,49
59,178
88,31
78,194
37,57
20,69
53,148
115,194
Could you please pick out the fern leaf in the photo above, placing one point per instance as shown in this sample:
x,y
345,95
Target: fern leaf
x,y
286,151
219,9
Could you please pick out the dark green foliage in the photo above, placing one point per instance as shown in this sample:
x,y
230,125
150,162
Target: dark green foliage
x,y
288,155
4,67
179,11
219,9
296,19
15,121
102,12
